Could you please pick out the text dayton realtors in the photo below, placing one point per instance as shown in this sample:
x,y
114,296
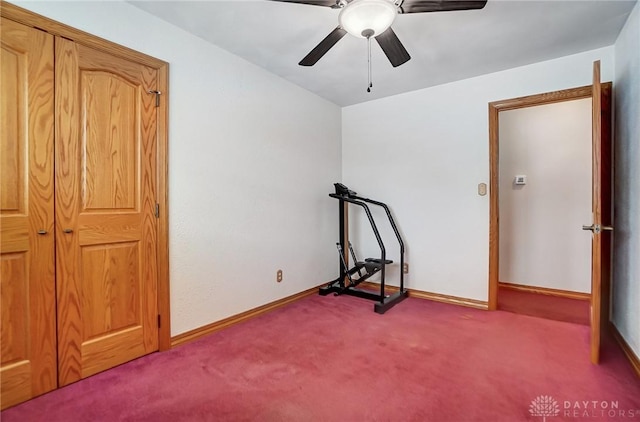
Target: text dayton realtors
x,y
595,408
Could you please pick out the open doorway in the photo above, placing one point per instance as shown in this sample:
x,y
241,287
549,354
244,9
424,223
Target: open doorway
x,y
602,211
541,166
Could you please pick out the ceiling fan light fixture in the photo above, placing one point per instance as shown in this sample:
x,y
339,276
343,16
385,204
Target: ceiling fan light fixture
x,y
360,17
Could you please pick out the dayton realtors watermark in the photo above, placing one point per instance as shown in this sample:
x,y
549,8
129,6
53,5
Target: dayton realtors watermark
x,y
548,407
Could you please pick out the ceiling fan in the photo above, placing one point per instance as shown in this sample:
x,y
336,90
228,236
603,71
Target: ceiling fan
x,y
373,18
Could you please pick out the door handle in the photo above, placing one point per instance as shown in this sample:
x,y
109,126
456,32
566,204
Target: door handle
x,y
597,228
67,231
42,232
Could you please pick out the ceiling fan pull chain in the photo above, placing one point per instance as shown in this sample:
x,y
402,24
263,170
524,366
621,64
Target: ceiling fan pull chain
x,y
370,83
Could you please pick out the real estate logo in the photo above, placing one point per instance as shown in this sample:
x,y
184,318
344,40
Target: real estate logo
x,y
547,406
544,406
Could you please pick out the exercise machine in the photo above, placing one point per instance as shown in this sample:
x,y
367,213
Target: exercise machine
x,y
350,278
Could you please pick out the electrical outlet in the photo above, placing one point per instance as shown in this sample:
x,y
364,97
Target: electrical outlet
x,y
279,276
405,268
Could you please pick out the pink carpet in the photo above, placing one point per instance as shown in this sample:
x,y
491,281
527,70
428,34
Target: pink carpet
x,y
334,359
544,306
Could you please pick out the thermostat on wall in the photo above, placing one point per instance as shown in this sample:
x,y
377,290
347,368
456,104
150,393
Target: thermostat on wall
x,y
520,180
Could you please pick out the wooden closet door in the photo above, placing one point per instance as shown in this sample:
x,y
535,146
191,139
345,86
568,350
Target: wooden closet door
x,y
105,203
28,330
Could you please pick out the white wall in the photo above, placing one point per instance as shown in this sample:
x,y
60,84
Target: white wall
x,y
626,239
252,158
541,241
425,152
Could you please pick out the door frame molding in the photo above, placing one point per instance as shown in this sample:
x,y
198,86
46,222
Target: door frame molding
x,y
28,18
495,108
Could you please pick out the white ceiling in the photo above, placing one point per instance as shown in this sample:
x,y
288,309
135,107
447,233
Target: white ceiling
x,y
444,46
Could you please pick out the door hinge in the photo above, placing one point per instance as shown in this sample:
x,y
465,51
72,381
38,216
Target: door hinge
x,y
158,94
158,320
157,210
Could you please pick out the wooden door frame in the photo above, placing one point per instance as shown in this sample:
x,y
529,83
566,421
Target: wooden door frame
x,y
495,108
28,18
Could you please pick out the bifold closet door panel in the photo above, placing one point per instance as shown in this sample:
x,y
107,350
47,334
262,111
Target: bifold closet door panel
x,y
105,210
27,327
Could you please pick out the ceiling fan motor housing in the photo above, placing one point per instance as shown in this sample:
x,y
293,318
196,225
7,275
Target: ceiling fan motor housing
x,y
367,18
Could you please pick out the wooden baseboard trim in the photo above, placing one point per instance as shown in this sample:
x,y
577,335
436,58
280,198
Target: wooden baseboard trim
x,y
453,300
235,319
438,297
545,291
629,353
252,313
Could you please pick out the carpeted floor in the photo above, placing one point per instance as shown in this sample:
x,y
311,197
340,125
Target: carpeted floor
x,y
544,306
334,359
